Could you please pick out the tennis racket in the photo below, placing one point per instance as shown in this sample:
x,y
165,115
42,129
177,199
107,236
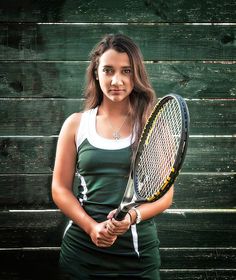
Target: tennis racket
x,y
160,154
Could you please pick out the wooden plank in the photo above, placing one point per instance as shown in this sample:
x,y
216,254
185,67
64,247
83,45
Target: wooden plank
x,y
29,264
43,264
74,42
194,79
46,116
198,258
42,79
212,117
210,155
190,274
31,229
183,229
209,191
36,154
173,258
26,191
118,11
35,116
66,79
47,273
195,191
197,229
27,154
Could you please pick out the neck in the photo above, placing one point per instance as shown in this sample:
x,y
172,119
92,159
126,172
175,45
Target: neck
x,y
115,109
114,120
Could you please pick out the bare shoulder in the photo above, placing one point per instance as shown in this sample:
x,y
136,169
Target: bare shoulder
x,y
71,124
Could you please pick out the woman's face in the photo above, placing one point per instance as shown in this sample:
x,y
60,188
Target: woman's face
x,y
115,75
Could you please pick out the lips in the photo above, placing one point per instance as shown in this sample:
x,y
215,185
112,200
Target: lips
x,y
116,90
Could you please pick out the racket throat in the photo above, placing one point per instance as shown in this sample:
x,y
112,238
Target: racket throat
x,y
129,200
124,209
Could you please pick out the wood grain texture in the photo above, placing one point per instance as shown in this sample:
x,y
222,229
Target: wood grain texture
x,y
47,272
189,48
172,258
198,274
195,264
183,229
27,155
198,258
118,11
31,229
36,155
196,229
46,116
66,79
196,191
27,42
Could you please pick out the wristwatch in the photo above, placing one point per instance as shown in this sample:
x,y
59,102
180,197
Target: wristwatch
x,y
138,215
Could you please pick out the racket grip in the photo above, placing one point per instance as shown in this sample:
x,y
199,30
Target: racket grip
x,y
120,214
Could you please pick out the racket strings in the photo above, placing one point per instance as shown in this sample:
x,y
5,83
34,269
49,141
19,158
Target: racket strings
x,y
160,150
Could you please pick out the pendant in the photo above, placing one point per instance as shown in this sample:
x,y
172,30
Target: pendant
x,y
116,135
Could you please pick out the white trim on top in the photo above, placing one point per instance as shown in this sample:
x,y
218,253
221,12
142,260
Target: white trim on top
x,y
87,130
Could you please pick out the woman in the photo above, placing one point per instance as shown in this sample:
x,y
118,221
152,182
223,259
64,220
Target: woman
x,y
99,143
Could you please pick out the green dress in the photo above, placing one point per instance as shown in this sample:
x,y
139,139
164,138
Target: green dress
x,y
103,167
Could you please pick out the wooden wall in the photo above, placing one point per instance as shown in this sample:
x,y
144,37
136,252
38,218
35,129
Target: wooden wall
x,y
189,48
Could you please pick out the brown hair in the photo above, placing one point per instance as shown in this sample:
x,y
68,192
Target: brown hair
x,y
142,98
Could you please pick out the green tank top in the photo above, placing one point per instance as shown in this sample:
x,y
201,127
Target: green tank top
x,y
103,167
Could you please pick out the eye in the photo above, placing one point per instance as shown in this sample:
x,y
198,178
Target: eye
x,y
127,71
107,70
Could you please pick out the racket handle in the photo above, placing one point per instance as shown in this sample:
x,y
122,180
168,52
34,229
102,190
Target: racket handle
x,y
120,214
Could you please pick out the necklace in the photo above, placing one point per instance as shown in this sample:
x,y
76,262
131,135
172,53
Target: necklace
x,y
116,132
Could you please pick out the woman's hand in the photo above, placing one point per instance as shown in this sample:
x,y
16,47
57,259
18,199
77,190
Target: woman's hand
x,y
115,227
100,235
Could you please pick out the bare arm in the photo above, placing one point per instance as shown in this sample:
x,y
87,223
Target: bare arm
x,y
62,184
149,210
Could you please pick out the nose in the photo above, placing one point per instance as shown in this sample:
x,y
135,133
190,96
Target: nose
x,y
116,80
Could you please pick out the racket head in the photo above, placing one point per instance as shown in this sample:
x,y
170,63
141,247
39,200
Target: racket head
x,y
162,148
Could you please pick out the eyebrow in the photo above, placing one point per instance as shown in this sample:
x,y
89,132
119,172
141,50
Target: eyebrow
x,y
123,67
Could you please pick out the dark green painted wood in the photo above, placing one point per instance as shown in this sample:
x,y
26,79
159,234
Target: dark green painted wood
x,y
196,191
46,116
184,229
171,258
29,264
210,155
41,62
66,79
118,11
158,42
198,258
36,154
26,191
196,229
48,272
31,229
190,274
210,191
27,155
215,117
42,79
194,79
36,117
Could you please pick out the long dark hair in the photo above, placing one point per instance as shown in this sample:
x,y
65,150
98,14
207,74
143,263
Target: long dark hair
x,y
142,98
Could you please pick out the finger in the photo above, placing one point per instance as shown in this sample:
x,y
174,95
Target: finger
x,y
105,242
111,214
